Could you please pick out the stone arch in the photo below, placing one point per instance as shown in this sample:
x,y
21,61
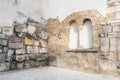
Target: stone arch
x,y
74,35
86,34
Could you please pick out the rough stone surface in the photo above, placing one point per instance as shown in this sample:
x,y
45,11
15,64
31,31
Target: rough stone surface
x,y
20,51
10,55
29,41
8,30
4,66
3,57
3,42
16,45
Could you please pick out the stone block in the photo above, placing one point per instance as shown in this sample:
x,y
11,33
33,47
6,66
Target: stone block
x,y
104,44
43,50
0,50
44,35
38,56
31,29
20,65
36,49
27,64
8,30
20,51
5,49
106,29
112,56
5,66
116,29
113,43
13,65
29,41
21,58
3,57
2,36
14,39
36,43
21,28
43,43
30,49
10,55
16,45
3,42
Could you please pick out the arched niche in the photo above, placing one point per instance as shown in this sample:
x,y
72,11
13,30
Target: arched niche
x,y
74,35
86,34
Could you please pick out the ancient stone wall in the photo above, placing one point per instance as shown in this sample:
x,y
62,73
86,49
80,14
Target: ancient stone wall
x,y
23,45
58,44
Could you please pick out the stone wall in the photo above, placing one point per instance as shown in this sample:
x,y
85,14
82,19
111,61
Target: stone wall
x,y
110,50
78,59
23,45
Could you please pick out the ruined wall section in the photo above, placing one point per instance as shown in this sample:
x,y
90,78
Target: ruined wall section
x,y
23,45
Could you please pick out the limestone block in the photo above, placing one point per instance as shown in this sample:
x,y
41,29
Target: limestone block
x,y
5,49
43,50
29,41
3,42
38,56
116,29
36,49
104,44
20,51
20,65
36,43
112,56
30,49
43,43
44,35
16,45
8,30
2,36
13,65
14,39
106,29
21,57
27,64
21,28
5,66
31,29
3,57
10,55
113,43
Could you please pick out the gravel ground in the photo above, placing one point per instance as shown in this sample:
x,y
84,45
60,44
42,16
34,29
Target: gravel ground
x,y
51,73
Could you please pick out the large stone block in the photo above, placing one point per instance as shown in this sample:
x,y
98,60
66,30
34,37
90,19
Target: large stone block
x,y
113,43
27,64
3,42
8,30
14,39
106,29
43,50
10,55
104,44
36,49
30,49
21,58
16,45
21,51
3,57
29,41
5,66
116,29
5,49
21,28
20,65
36,43
44,35
2,36
38,56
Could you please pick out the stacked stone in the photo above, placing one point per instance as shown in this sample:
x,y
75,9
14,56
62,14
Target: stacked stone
x,y
113,11
23,46
110,48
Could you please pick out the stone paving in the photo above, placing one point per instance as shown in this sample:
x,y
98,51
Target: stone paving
x,y
51,73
